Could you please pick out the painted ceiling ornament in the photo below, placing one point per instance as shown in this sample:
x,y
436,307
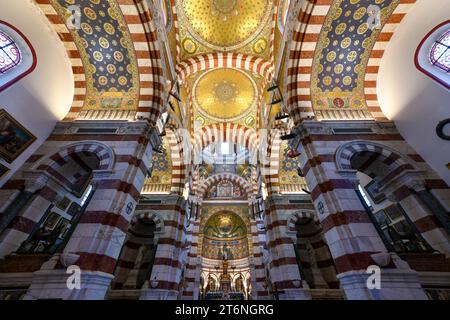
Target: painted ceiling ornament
x,y
260,46
189,46
225,94
226,91
224,8
224,25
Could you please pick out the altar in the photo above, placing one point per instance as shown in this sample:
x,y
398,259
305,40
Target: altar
x,y
227,289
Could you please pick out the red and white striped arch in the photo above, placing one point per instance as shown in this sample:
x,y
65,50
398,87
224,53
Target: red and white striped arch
x,y
73,54
271,166
143,34
225,132
373,65
142,27
178,165
215,60
306,31
305,34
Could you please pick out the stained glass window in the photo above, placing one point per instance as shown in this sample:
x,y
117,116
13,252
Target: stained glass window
x,y
440,53
10,55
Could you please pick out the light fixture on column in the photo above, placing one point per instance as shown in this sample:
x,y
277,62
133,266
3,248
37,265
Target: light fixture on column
x,y
288,136
293,153
306,191
157,150
300,172
281,116
297,283
175,96
171,106
276,101
272,88
150,171
154,283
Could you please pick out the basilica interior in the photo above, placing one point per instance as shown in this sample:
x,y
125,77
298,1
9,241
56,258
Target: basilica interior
x,y
225,149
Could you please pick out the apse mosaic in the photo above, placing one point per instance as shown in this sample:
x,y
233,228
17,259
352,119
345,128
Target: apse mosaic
x,y
225,225
343,50
225,25
225,231
107,52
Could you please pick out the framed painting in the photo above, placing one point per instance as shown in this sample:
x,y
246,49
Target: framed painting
x,y
14,138
3,170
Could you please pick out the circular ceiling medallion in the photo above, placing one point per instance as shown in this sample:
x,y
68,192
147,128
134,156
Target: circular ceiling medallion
x,y
225,94
225,24
189,46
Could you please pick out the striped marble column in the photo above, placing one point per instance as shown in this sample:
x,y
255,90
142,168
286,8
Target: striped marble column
x,y
96,242
348,229
258,275
165,280
284,270
193,267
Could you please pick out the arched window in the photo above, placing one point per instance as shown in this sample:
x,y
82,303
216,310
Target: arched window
x,y
433,54
17,56
10,55
440,52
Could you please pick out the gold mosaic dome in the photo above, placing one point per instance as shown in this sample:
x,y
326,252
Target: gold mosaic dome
x,y
226,24
224,94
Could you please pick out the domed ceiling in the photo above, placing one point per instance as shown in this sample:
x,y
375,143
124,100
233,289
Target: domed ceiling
x,y
225,94
224,25
345,43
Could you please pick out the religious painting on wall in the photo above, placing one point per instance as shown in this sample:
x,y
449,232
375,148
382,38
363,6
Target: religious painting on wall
x,y
14,138
3,170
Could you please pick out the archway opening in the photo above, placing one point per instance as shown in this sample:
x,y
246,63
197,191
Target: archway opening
x,y
313,255
137,257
